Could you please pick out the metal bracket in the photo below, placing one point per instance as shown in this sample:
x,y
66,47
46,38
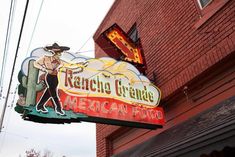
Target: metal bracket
x,y
154,78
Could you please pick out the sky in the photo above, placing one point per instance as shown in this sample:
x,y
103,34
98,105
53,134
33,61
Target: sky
x,y
71,23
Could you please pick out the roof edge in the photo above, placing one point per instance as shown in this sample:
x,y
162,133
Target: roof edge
x,y
112,8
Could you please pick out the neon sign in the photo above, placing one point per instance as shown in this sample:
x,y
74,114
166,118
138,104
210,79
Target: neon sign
x,y
131,51
117,44
99,90
104,86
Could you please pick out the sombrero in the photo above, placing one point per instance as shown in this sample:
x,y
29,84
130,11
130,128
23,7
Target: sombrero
x,y
56,46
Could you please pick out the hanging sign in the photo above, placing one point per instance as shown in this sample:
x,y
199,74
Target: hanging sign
x,y
131,51
117,44
62,87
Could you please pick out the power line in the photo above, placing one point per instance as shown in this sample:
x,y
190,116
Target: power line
x,y
7,121
106,48
13,68
85,43
27,52
8,34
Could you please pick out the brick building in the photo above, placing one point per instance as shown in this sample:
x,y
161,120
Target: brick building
x,y
189,49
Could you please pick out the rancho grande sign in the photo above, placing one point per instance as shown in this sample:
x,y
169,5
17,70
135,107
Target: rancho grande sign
x,y
62,87
114,88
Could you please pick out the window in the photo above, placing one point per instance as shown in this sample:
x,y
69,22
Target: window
x,y
206,9
133,33
203,3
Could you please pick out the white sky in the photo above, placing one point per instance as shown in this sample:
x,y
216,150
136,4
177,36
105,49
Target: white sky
x,y
70,23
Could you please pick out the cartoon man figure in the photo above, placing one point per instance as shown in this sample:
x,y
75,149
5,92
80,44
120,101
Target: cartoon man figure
x,y
51,65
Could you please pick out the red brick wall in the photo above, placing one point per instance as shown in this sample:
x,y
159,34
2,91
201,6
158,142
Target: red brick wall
x,y
179,45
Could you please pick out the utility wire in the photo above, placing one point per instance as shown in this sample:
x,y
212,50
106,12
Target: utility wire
x,y
13,68
8,34
7,121
32,35
106,48
84,43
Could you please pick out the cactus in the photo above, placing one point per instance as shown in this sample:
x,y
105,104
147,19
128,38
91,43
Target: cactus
x,y
30,83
